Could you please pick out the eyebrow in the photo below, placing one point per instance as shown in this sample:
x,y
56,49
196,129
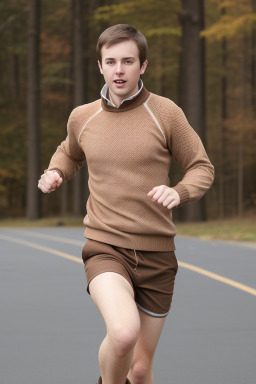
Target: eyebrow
x,y
124,58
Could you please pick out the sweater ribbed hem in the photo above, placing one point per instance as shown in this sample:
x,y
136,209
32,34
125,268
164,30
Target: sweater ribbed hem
x,y
133,241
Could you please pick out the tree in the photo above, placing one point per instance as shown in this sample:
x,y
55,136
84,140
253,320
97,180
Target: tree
x,y
235,30
192,93
78,91
33,203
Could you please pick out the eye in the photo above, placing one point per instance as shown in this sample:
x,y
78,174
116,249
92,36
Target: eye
x,y
128,61
111,62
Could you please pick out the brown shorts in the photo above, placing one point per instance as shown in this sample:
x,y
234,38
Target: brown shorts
x,y
151,274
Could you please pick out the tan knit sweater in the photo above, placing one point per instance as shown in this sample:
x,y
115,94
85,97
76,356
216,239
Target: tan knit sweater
x,y
128,152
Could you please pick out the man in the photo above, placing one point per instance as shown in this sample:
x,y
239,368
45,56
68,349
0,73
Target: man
x,y
129,138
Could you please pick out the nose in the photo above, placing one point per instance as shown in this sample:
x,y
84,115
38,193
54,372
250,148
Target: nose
x,y
119,68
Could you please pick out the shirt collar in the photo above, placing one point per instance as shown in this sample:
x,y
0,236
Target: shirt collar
x,y
104,93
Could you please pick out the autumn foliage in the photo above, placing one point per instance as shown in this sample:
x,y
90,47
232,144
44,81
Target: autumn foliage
x,y
230,89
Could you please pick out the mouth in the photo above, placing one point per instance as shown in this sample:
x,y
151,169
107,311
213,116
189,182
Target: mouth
x,y
119,81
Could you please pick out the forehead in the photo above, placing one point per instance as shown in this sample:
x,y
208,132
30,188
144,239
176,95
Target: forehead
x,y
127,48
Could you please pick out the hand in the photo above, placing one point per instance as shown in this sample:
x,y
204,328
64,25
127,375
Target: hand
x,y
165,195
49,181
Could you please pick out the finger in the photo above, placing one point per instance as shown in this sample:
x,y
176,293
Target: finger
x,y
168,200
56,176
163,197
47,179
43,189
45,185
157,193
172,205
59,182
154,190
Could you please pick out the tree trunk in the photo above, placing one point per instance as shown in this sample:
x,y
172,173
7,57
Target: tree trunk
x,y
192,93
253,62
223,143
244,103
33,203
78,94
159,67
223,169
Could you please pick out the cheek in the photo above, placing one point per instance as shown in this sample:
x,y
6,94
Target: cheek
x,y
109,74
136,72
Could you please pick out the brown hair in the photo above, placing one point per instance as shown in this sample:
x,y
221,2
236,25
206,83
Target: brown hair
x,y
121,32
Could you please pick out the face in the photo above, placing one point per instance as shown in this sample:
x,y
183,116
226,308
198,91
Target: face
x,y
121,69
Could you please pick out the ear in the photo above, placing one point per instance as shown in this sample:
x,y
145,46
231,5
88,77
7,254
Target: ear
x,y
100,67
143,67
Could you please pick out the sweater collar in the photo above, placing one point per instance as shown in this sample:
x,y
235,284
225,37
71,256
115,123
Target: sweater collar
x,y
105,94
127,104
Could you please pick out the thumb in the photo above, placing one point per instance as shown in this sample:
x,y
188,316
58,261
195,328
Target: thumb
x,y
57,178
59,182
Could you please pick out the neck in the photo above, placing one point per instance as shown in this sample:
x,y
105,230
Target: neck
x,y
118,100
127,105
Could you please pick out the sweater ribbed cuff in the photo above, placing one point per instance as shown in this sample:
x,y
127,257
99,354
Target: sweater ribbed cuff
x,y
183,193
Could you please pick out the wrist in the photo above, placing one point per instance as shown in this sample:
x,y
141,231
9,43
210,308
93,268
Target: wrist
x,y
183,194
57,171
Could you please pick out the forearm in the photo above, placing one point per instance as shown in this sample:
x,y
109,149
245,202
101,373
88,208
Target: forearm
x,y
187,149
69,156
66,165
195,183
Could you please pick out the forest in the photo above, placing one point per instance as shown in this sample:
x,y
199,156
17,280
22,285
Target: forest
x,y
202,55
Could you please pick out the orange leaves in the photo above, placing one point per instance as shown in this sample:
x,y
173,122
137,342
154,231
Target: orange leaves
x,y
53,48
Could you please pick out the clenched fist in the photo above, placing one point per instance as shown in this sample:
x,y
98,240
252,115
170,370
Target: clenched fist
x,y
165,195
49,181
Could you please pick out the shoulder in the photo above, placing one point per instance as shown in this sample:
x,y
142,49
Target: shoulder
x,y
165,111
81,114
161,101
162,107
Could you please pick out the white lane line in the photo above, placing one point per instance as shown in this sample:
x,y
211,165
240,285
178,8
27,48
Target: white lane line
x,y
191,267
42,248
48,237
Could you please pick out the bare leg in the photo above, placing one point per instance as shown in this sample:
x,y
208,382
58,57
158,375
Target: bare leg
x,y
141,371
113,296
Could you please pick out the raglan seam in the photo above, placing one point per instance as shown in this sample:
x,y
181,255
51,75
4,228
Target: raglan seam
x,y
86,123
154,118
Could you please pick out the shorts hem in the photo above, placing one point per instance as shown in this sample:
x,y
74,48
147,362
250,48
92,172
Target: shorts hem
x,y
152,313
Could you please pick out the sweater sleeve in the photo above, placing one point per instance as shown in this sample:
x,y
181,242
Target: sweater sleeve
x,y
187,149
69,156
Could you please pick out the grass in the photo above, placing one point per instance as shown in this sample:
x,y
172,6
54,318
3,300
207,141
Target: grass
x,y
46,222
236,229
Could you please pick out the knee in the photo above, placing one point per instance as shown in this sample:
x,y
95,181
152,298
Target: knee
x,y
141,371
123,339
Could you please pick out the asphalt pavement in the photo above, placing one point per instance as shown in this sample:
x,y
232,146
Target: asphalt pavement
x,y
50,330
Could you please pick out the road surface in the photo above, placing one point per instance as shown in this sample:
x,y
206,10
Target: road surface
x,y
50,330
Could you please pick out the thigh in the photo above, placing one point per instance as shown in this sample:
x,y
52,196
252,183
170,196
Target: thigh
x,y
150,331
101,257
114,297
